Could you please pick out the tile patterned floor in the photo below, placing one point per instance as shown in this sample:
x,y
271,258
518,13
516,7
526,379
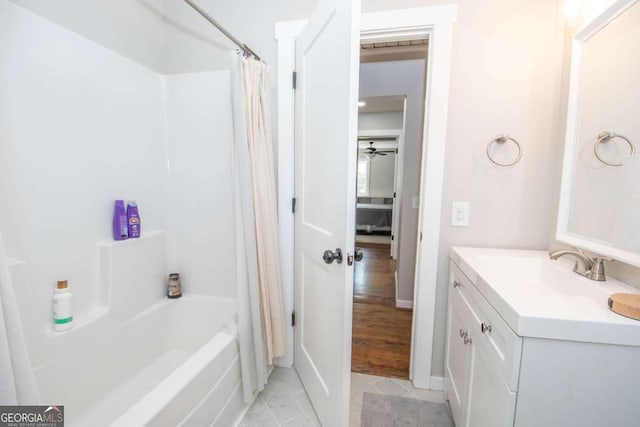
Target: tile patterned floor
x,y
284,402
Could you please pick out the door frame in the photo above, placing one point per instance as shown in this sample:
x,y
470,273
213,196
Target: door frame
x,y
437,22
398,135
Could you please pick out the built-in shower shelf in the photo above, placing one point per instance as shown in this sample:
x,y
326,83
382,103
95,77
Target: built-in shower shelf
x,y
143,236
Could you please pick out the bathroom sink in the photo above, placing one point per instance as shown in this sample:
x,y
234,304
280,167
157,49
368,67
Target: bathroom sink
x,y
538,297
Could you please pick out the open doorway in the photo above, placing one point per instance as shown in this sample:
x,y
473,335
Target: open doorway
x,y
390,135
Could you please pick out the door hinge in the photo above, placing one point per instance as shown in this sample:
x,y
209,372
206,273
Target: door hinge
x,y
293,205
392,237
396,151
293,318
421,236
294,80
394,194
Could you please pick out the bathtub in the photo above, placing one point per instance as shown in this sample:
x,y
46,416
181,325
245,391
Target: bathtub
x,y
141,358
173,364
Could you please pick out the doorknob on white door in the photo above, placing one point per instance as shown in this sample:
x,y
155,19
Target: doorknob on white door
x,y
356,255
329,256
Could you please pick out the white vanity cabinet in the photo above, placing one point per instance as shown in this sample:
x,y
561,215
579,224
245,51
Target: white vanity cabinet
x,y
530,343
477,360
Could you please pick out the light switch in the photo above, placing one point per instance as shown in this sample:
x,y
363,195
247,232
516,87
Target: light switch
x,y
460,214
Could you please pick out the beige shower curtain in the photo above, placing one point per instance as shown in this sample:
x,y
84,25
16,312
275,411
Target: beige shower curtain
x,y
256,85
261,318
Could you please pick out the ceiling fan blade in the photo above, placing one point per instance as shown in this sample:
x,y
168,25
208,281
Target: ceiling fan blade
x,y
381,153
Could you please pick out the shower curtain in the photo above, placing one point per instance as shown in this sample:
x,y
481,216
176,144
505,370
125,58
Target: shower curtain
x,y
261,319
17,383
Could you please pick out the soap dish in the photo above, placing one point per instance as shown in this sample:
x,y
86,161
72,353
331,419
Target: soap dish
x,y
627,305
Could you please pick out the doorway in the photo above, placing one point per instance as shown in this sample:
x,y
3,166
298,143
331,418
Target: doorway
x,y
390,136
437,22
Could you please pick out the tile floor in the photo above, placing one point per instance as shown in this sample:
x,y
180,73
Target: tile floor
x,y
363,383
285,403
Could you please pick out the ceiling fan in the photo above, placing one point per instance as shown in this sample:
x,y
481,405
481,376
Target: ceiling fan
x,y
371,151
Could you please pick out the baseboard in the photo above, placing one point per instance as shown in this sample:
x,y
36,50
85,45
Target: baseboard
x,y
437,383
400,303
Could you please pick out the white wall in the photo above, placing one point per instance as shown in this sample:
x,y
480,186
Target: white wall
x,y
403,78
80,126
133,28
168,36
194,45
202,223
378,121
381,175
506,75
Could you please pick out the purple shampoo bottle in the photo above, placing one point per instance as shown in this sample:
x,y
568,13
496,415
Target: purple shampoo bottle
x,y
120,229
133,219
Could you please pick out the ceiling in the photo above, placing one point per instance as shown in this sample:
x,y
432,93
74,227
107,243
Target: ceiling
x,y
393,50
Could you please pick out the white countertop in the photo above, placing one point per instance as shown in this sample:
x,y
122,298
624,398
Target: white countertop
x,y
542,298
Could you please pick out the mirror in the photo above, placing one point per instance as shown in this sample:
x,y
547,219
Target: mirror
x,y
600,197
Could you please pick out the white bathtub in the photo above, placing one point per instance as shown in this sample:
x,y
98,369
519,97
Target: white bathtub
x,y
140,359
173,364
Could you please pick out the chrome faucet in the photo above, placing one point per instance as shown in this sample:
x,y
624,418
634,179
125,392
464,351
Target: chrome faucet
x,y
591,268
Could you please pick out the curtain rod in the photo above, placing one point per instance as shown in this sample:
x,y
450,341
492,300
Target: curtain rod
x,y
246,49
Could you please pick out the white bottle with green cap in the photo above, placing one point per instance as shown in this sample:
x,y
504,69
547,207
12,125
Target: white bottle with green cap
x,y
62,309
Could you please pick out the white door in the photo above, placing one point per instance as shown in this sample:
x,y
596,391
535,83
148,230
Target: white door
x,y
325,178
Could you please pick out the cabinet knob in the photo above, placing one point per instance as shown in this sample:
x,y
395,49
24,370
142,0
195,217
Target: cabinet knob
x,y
485,328
456,284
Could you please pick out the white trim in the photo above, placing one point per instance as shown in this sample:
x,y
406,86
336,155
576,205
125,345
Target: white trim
x,y
437,21
437,383
285,35
395,278
400,184
406,304
571,143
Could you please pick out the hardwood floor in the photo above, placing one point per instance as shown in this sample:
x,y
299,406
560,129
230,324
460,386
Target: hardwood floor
x,y
381,341
374,281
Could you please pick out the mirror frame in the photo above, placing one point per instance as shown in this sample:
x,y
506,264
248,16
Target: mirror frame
x,y
563,234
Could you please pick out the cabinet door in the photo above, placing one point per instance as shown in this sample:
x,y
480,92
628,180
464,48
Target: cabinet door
x,y
457,359
490,402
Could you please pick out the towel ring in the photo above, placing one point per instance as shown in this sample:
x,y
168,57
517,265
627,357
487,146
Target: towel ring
x,y
605,137
501,140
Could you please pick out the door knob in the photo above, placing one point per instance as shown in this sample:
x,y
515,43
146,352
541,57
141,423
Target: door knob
x,y
329,256
359,254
